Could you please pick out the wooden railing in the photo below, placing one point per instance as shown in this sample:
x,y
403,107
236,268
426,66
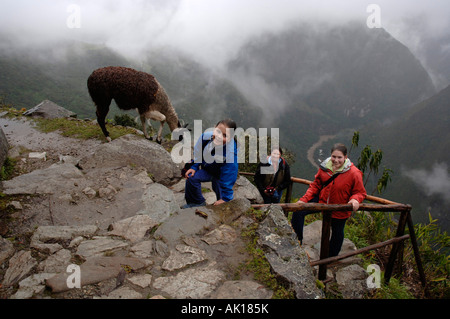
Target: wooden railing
x,y
381,205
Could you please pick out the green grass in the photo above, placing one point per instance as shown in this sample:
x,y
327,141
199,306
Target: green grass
x,y
70,127
365,229
7,169
80,129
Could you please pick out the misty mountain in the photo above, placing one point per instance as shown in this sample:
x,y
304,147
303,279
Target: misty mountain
x,y
199,93
54,71
316,80
435,52
349,73
425,128
416,148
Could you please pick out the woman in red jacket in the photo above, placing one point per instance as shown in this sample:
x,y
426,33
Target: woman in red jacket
x,y
346,187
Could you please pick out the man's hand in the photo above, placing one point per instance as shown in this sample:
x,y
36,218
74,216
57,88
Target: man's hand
x,y
190,172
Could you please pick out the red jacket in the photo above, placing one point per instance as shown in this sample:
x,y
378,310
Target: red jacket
x,y
348,185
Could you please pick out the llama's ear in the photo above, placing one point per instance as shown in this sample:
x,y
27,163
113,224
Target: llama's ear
x,y
182,125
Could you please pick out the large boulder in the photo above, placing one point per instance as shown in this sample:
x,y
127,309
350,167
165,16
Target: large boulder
x,y
94,270
20,265
243,188
49,110
136,151
352,282
4,147
287,258
185,223
195,283
133,228
159,202
44,181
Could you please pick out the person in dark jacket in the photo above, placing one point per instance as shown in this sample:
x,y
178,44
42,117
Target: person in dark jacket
x,y
273,177
215,161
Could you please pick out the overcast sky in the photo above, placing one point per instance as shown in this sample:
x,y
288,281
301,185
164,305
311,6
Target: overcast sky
x,y
209,29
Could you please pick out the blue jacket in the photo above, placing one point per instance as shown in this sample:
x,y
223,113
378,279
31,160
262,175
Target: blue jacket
x,y
224,165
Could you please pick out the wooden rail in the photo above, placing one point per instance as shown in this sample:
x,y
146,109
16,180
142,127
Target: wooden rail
x,y
293,207
358,251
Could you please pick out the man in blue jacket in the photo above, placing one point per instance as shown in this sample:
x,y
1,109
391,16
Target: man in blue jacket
x,y
215,161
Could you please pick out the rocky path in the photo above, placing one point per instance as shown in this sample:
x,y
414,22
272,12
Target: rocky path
x,y
103,220
113,211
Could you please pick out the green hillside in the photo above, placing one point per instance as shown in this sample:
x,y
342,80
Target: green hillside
x,y
55,72
327,81
197,93
352,74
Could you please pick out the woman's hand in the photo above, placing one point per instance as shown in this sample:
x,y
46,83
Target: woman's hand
x,y
354,203
190,172
300,202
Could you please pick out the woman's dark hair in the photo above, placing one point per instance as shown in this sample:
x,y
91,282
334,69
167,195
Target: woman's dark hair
x,y
277,148
228,123
339,147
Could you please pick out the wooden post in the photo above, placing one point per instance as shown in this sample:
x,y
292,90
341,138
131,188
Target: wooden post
x,y
395,247
412,235
325,244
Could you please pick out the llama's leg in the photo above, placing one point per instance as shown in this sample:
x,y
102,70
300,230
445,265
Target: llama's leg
x,y
144,126
157,116
101,116
158,139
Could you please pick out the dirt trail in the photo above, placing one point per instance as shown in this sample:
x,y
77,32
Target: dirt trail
x,y
22,135
47,209
315,146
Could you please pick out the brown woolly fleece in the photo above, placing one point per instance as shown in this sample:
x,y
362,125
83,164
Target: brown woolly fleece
x,y
131,89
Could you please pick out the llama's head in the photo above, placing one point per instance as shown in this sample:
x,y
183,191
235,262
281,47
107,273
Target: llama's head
x,y
182,128
181,124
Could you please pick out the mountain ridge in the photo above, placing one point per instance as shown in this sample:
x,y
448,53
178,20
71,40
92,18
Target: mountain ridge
x,y
417,153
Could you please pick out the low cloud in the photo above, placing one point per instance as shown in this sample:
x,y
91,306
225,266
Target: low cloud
x,y
211,31
435,181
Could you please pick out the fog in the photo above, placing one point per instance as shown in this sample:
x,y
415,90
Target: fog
x,y
436,181
211,31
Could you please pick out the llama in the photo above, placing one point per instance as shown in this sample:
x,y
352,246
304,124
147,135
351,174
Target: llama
x,y
131,89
